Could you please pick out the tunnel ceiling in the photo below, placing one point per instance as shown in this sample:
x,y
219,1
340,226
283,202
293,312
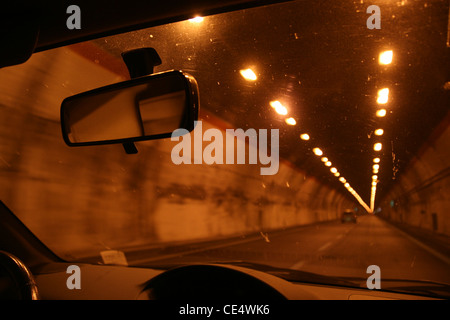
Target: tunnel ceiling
x,y
321,61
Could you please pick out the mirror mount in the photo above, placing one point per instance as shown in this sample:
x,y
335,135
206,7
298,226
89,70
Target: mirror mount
x,y
140,62
130,147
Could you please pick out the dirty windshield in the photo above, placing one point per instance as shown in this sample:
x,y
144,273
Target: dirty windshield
x,y
322,145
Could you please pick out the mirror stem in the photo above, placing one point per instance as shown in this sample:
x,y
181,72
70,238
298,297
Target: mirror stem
x,y
130,147
140,62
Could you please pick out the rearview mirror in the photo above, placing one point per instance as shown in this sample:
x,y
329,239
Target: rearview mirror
x,y
144,108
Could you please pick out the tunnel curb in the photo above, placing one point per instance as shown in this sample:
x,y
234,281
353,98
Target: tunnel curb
x,y
438,242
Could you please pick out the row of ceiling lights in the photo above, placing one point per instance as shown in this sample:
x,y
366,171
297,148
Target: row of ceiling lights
x,y
385,58
279,108
318,152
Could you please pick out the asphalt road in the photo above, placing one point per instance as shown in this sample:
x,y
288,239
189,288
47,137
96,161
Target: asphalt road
x,y
334,248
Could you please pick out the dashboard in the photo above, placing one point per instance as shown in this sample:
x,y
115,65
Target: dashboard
x,y
192,282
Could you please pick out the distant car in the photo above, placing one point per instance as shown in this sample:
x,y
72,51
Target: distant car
x,y
348,216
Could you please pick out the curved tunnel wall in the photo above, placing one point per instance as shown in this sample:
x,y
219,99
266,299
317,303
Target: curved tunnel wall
x,y
99,197
94,198
421,196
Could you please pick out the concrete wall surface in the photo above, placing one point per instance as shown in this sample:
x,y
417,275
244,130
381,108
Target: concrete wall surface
x,y
83,200
421,196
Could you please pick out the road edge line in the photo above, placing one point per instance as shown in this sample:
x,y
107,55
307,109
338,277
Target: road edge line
x,y
432,251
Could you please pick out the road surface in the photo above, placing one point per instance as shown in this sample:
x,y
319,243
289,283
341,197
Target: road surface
x,y
333,248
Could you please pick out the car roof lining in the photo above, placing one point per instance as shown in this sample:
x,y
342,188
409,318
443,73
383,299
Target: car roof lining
x,y
98,19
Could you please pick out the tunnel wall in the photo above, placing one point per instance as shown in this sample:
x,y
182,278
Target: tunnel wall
x,y
421,196
94,198
99,197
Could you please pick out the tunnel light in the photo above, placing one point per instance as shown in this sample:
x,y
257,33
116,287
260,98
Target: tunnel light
x,y
377,146
357,197
385,57
375,171
374,177
381,113
275,104
304,136
379,132
376,166
317,152
372,195
383,96
291,121
248,74
337,174
324,159
279,108
376,160
342,179
196,19
333,170
328,163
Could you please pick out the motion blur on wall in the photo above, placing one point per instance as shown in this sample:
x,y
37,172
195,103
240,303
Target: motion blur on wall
x,y
83,200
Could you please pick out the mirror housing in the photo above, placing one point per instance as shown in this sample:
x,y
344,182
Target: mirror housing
x,y
145,108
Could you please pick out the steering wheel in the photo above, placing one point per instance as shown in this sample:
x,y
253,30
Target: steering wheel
x,y
208,282
16,280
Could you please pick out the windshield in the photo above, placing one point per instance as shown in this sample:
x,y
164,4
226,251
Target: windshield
x,y
346,133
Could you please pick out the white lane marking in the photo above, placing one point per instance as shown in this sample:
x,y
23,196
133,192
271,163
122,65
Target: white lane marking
x,y
301,263
326,245
412,263
298,265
